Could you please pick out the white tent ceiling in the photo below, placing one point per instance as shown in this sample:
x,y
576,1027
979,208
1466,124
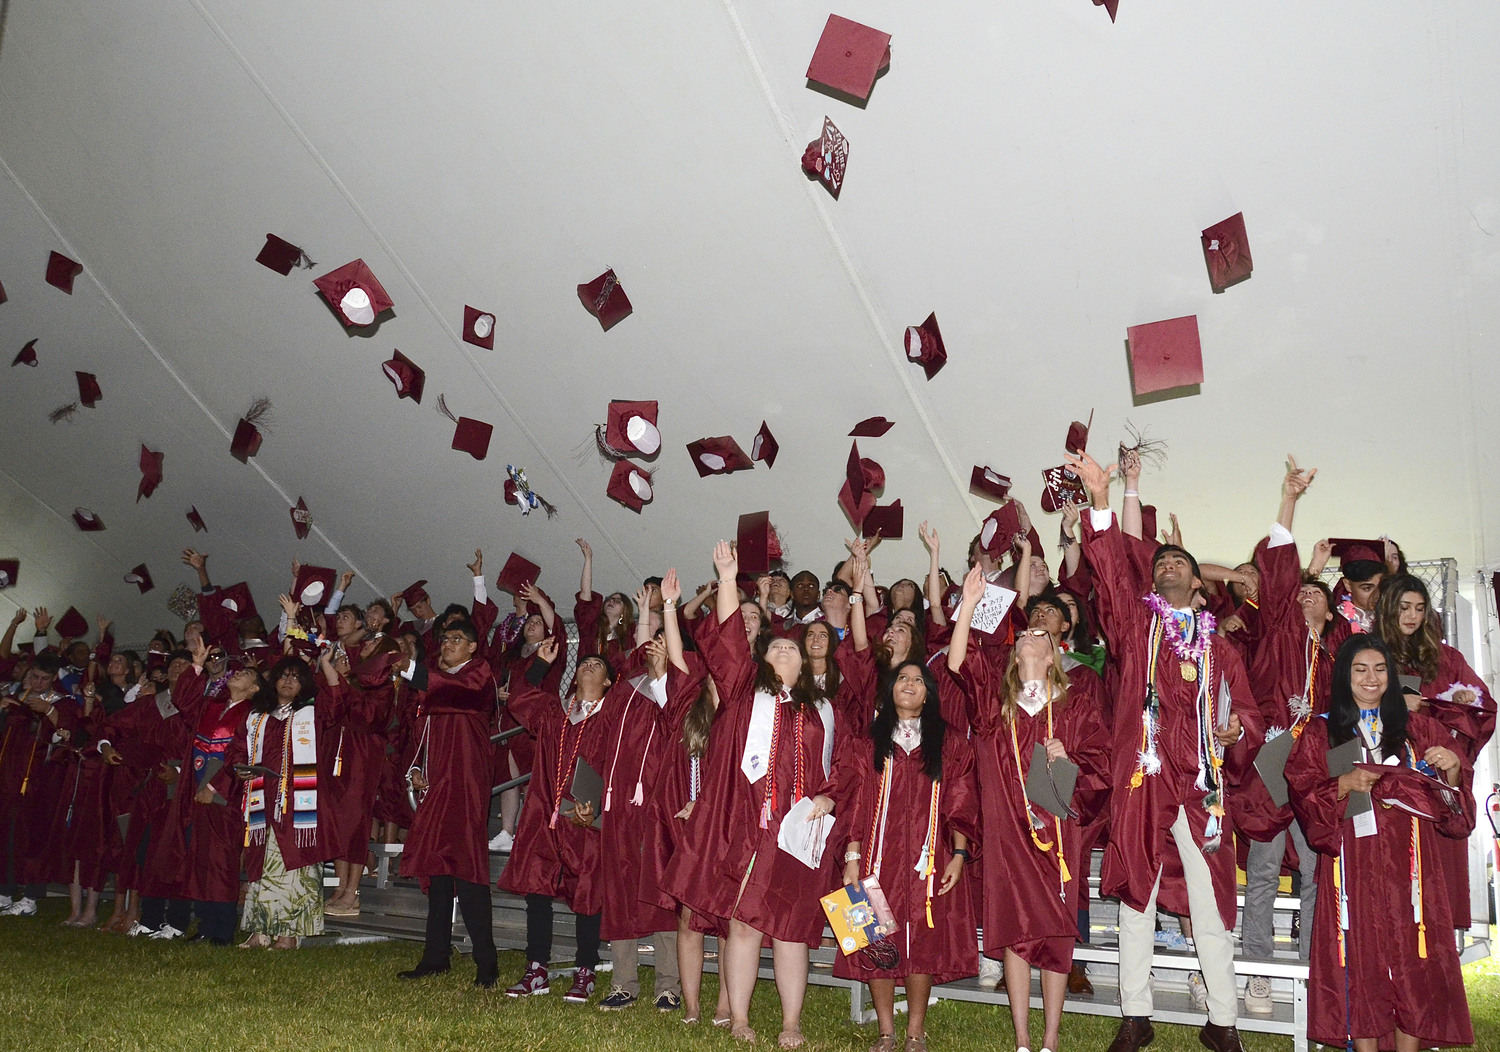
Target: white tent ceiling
x,y
1033,173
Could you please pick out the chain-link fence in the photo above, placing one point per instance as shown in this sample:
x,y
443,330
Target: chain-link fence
x,y
1441,578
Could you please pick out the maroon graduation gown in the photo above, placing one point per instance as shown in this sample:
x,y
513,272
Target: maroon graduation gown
x,y
1141,817
356,755
587,614
449,832
299,847
391,801
945,950
724,844
672,791
1386,985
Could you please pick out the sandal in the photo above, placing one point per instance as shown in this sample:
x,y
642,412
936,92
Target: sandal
x,y
916,1044
743,1033
256,942
885,1043
791,1039
722,1022
691,1020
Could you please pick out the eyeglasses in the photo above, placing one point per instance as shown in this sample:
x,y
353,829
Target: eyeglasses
x,y
456,638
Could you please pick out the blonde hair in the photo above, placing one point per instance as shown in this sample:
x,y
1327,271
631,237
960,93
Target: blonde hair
x,y
1011,686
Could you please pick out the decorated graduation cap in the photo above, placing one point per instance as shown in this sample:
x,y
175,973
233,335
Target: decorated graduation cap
x,y
885,520
872,427
1226,251
764,447
518,491
314,585
826,158
88,389
355,294
281,255
924,345
629,431
87,521
630,484
757,545
605,299
301,519
986,482
1109,5
150,473
517,572
1165,355
72,624
10,572
61,271
27,355
196,520
849,57
470,435
247,433
479,327
1061,486
406,375
415,593
141,578
1355,550
718,456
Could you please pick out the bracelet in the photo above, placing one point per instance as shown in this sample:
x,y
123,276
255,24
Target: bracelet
x,y
857,597
962,852
852,856
1132,493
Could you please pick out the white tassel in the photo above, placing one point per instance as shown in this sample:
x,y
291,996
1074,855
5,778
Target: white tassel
x,y
1299,707
1273,733
639,798
1149,761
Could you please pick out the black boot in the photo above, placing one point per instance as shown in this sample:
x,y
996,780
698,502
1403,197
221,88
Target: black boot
x,y
425,968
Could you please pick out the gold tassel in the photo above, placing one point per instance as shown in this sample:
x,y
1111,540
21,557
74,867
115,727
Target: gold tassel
x,y
1062,862
1422,939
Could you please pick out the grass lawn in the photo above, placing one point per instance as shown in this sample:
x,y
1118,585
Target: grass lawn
x,y
67,989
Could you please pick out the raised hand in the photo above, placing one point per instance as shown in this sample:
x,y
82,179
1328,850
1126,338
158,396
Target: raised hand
x,y
547,649
345,580
671,588
583,546
476,568
642,599
726,562
974,585
290,606
103,624
296,567
929,536
198,560
18,617
1095,479
1070,516
1130,466
1174,535
1297,480
42,620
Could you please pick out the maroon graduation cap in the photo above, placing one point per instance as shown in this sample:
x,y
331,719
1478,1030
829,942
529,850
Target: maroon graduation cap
x,y
885,520
354,293
1165,354
233,603
406,375
1078,436
998,532
756,544
141,578
150,473
301,519
61,271
10,572
3,296
247,434
470,435
87,521
718,456
826,158
1109,5
1061,486
72,625
765,447
415,593
986,482
863,478
630,430
313,586
872,427
196,520
849,57
88,389
281,255
1352,550
630,484
924,345
1226,251
479,327
27,355
605,299
517,572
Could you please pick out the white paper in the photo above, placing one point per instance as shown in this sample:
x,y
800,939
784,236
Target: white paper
x,y
992,608
801,839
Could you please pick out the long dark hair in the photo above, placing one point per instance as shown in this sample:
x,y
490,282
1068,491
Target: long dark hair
x,y
934,728
832,678
266,699
604,631
1423,649
804,692
1343,710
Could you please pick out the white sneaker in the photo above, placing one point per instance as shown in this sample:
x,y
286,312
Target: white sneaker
x,y
1199,991
140,929
502,842
1258,996
990,973
20,908
166,932
5,901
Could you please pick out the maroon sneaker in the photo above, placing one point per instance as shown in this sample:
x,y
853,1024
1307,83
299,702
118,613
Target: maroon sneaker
x,y
582,988
534,981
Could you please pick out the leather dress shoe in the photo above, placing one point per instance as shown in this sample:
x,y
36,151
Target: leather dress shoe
x,y
1220,1038
1078,980
425,968
1135,1033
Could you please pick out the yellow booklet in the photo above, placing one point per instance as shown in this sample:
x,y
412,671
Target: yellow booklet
x,y
858,915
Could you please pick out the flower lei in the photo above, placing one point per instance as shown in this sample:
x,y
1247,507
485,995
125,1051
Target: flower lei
x,y
1187,651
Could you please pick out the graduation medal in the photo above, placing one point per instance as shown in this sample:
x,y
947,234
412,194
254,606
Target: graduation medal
x,y
1189,671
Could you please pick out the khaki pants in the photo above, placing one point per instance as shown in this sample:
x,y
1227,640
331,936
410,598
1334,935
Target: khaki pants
x,y
627,972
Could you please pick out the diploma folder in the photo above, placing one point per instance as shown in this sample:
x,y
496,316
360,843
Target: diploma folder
x,y
587,788
1270,764
858,915
1050,785
1341,760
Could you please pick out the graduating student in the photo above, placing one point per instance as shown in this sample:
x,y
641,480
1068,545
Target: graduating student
x,y
772,746
31,718
1036,861
606,625
1185,734
915,820
445,847
1384,968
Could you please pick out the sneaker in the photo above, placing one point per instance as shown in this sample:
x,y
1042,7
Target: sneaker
x,y
502,842
22,907
582,988
991,974
534,981
1198,990
668,1002
166,931
140,929
616,1000
1258,995
5,901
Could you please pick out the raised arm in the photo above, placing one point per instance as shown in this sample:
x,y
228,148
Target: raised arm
x,y
1130,511
1023,571
198,561
1322,552
694,606
671,593
532,594
1072,550
1292,487
858,628
642,623
586,578
727,565
864,583
958,643
10,634
933,585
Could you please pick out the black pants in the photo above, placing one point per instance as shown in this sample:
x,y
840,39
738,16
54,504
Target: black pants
x,y
539,933
474,907
216,921
176,912
11,868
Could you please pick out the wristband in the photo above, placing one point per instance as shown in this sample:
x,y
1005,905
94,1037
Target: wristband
x,y
1132,493
857,597
852,856
962,852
